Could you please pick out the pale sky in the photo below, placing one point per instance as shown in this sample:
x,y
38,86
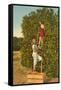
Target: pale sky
x,y
18,13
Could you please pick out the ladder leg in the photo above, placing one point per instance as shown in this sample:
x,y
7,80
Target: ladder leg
x,y
41,66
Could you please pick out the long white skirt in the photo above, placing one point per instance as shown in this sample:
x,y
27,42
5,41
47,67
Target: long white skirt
x,y
36,58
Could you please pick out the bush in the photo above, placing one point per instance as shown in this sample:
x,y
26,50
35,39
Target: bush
x,y
17,43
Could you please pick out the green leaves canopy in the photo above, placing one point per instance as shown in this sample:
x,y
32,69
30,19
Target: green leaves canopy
x,y
49,51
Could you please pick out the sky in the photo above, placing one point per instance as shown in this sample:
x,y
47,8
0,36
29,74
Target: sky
x,y
18,13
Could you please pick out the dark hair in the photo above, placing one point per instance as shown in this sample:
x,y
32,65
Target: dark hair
x,y
34,37
42,22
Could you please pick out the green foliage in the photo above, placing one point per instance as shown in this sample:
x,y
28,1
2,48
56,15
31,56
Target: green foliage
x,y
49,51
17,43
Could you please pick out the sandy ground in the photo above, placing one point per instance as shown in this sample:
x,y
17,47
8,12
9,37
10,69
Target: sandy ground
x,y
19,72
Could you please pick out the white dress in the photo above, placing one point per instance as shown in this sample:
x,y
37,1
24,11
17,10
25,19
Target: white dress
x,y
35,55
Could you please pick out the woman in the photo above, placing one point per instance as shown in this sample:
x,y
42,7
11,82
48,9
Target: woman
x,y
35,55
41,35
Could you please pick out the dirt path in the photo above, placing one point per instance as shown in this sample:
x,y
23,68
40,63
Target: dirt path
x,y
19,72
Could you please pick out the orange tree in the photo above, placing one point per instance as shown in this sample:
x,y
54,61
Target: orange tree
x,y
49,51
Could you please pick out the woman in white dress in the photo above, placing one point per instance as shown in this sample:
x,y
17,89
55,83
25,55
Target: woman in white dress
x,y
35,55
